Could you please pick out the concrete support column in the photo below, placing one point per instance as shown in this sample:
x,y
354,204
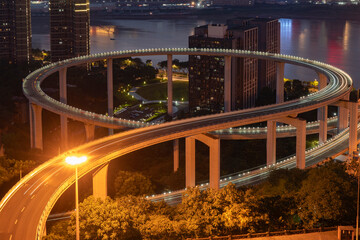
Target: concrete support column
x,y
300,125
100,182
176,154
353,107
89,132
62,85
343,117
110,90
300,144
322,112
280,66
169,85
190,162
227,84
36,138
271,143
63,119
214,164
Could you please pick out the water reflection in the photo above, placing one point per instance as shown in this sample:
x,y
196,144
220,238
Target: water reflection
x,y
332,41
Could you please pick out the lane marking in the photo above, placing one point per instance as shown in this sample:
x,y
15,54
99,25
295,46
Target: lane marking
x,y
46,179
16,221
10,237
32,196
22,209
32,185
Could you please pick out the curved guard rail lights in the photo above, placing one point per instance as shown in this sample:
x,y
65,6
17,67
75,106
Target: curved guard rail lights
x,y
105,149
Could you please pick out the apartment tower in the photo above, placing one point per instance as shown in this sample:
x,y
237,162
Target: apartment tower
x,y
269,41
206,73
69,29
15,31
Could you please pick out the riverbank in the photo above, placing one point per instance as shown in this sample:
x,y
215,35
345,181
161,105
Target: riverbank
x,y
298,11
276,11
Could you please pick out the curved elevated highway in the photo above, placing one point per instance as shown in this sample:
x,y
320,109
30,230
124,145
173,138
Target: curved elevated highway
x,y
25,208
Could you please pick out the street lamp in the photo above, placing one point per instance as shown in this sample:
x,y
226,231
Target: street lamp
x,y
75,161
356,162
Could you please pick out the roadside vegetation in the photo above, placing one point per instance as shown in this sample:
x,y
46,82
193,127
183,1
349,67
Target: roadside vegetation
x,y
288,199
159,91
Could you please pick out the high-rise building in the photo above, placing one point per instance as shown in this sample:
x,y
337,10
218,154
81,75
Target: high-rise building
x,y
269,41
206,73
15,31
69,29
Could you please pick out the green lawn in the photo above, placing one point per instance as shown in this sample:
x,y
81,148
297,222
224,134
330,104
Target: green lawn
x,y
159,91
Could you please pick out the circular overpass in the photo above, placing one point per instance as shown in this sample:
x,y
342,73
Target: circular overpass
x,y
24,209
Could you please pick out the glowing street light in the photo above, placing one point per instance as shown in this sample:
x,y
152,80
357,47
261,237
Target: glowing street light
x,y
75,161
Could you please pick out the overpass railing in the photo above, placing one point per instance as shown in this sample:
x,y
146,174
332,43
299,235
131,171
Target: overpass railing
x,y
268,234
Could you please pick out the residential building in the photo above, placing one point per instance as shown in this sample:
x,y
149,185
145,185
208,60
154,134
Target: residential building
x,y
69,29
206,73
269,41
15,31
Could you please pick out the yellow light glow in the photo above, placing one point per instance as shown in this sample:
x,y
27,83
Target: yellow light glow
x,y
74,160
81,4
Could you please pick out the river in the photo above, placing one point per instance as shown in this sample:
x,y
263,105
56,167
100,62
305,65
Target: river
x,y
336,42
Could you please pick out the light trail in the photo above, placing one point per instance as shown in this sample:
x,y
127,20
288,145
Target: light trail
x,y
32,223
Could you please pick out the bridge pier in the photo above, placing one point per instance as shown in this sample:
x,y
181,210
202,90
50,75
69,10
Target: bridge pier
x,y
63,119
176,154
110,90
89,132
169,85
300,125
351,107
271,142
170,109
100,182
227,84
345,107
36,138
280,67
343,116
322,112
190,162
214,165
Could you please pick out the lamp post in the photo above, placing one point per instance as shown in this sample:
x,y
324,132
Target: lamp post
x,y
75,161
355,157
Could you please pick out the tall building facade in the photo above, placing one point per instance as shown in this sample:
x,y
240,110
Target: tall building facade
x,y
69,29
15,31
269,41
206,73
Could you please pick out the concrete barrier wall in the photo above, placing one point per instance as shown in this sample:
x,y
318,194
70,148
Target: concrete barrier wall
x,y
330,235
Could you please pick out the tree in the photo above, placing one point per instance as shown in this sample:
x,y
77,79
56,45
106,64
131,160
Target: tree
x,y
201,217
282,182
132,183
295,89
327,196
277,198
158,227
10,168
103,220
218,212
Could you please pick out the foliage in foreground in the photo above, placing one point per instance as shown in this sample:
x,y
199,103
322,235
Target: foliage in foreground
x,y
289,199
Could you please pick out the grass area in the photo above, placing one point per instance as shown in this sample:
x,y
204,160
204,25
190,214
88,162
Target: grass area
x,y
159,109
159,91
